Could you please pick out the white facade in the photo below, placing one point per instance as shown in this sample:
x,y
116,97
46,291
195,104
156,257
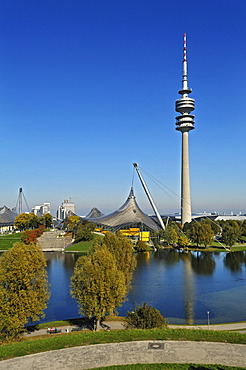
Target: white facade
x,y
41,210
65,209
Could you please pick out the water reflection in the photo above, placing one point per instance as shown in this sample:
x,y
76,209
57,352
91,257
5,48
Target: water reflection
x,y
235,261
183,286
188,289
203,263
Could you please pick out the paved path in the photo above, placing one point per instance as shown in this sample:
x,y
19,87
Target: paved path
x,y
116,325
89,357
238,326
111,325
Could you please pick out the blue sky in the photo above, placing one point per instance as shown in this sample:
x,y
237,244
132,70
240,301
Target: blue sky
x,y
88,87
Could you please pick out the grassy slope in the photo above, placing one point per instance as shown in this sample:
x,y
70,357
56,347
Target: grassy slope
x,y
82,246
6,241
58,341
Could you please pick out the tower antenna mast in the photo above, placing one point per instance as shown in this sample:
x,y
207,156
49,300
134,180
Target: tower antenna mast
x,y
185,122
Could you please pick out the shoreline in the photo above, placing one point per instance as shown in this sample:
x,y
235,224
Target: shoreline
x,y
118,323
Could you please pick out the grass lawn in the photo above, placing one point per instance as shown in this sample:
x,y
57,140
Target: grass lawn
x,y
6,241
82,246
168,367
217,247
58,341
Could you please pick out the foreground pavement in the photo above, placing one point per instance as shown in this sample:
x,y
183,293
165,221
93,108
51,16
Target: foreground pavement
x,y
146,352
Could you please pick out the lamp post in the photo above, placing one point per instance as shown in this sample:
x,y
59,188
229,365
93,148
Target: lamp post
x,y
208,319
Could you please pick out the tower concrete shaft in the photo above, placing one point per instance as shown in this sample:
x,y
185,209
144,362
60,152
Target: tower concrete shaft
x,y
185,181
185,123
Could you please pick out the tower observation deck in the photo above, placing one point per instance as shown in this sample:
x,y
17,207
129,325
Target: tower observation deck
x,y
185,122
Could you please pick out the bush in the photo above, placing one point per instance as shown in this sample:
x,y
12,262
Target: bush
x,y
141,246
30,236
145,317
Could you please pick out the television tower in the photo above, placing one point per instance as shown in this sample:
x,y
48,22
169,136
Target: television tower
x,y
185,123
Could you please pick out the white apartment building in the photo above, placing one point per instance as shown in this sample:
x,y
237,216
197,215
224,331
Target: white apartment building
x,y
65,209
41,210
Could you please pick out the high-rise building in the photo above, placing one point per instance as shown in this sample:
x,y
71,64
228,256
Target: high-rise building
x,y
185,123
66,209
41,210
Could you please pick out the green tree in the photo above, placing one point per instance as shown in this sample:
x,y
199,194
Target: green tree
x,y
122,249
244,227
145,317
33,221
46,220
229,235
206,233
141,246
200,232
84,232
23,289
97,284
214,225
171,234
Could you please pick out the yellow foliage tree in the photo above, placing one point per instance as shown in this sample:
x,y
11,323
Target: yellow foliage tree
x,y
122,249
97,284
23,289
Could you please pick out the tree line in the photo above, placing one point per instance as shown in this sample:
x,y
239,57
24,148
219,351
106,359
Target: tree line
x,y
203,233
26,221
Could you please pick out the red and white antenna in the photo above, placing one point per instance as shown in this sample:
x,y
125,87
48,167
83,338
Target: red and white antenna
x,y
185,47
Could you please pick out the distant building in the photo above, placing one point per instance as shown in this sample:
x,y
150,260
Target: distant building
x,y
7,218
94,213
41,210
66,209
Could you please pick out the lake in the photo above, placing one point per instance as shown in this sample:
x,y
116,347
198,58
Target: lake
x,y
183,286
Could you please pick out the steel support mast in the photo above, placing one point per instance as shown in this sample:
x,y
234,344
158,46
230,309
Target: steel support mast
x,y
149,196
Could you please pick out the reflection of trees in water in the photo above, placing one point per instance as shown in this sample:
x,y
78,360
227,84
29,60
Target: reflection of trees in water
x,y
144,257
203,263
168,256
66,259
233,261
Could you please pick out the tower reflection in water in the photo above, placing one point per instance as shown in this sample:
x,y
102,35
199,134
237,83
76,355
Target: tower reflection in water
x,y
188,288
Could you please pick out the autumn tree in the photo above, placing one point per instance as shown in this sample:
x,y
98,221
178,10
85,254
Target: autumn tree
x,y
183,241
22,221
30,236
72,223
122,249
97,284
23,289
